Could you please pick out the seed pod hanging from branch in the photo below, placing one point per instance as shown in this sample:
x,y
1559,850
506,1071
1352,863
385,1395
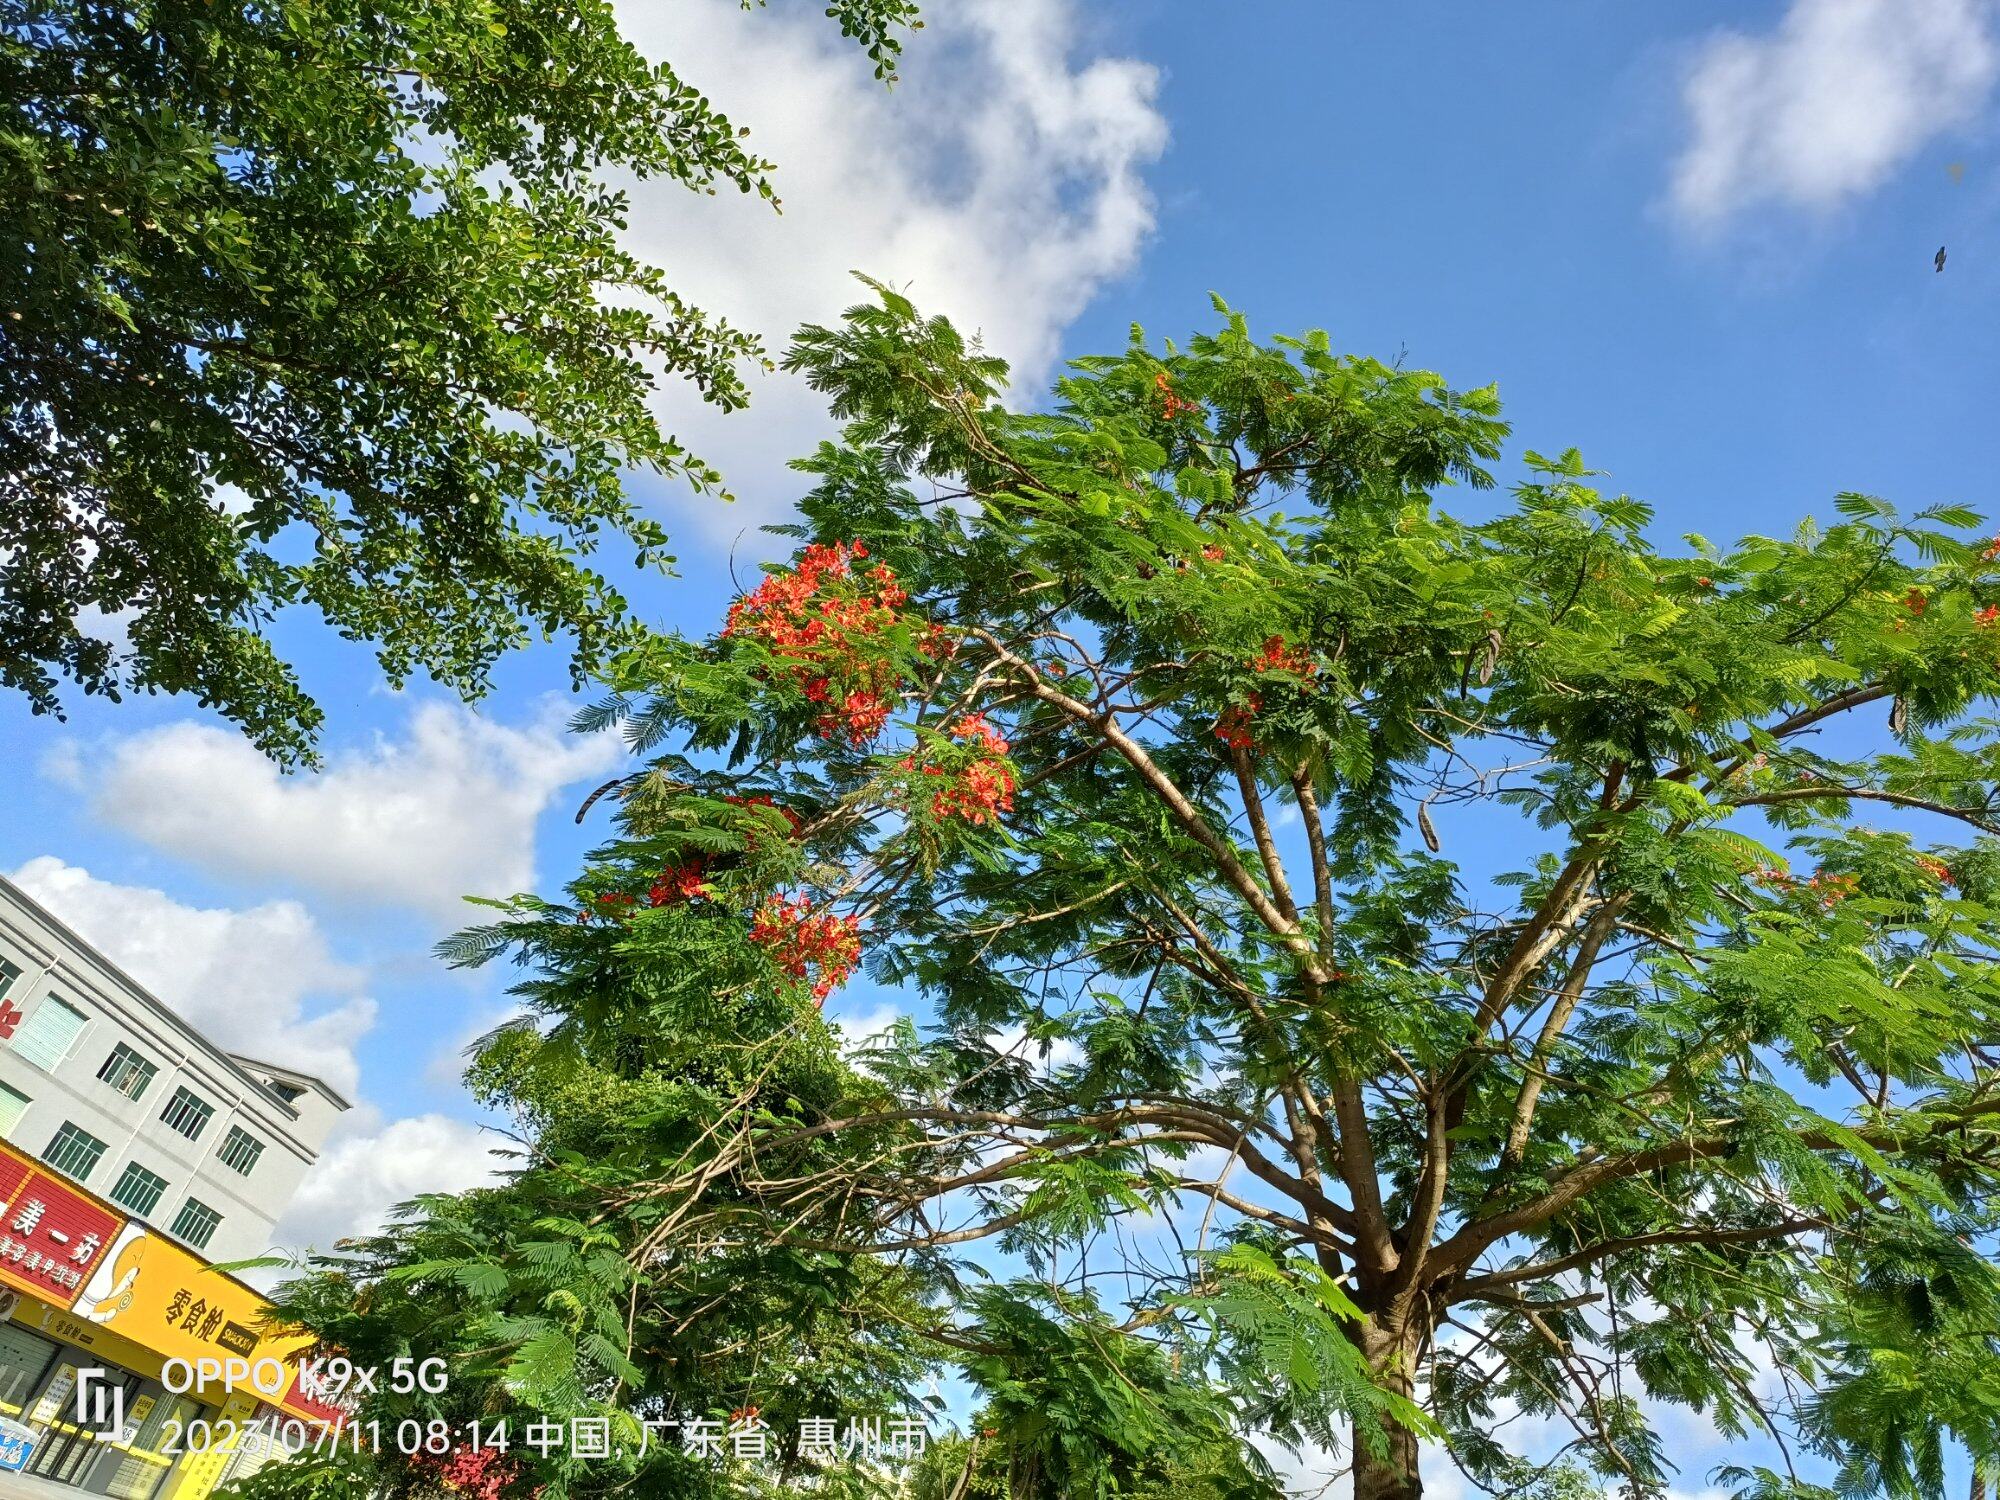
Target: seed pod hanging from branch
x,y
1427,828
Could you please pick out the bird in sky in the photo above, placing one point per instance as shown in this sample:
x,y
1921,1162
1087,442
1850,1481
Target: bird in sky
x,y
1939,262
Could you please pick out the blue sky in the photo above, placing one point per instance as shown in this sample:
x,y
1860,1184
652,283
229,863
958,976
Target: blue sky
x,y
1693,240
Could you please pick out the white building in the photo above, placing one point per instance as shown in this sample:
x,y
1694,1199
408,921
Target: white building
x,y
112,1089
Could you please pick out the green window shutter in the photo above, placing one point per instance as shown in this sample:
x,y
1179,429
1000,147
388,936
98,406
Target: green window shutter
x,y
49,1033
139,1189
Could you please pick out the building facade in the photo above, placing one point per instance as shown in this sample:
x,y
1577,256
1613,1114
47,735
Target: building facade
x,y
134,1153
108,1085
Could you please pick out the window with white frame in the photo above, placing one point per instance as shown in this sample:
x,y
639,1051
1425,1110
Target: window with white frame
x,y
240,1150
126,1071
49,1033
74,1152
187,1113
195,1224
138,1189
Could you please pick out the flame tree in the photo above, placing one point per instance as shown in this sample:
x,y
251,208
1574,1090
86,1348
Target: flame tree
x,y
1381,971
326,303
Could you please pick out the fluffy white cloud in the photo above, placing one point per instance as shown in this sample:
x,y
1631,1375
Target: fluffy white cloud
x,y
1821,109
1000,183
369,1167
243,976
445,810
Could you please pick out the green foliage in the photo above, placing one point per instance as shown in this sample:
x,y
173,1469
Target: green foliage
x,y
1415,970
1086,1410
322,304
1286,1333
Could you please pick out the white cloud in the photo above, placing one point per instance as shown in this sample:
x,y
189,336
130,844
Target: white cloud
x,y
1823,108
999,183
447,1065
241,975
865,1028
445,810
370,1167
1045,1057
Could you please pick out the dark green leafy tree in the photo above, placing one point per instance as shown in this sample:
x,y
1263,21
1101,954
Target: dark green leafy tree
x,y
1451,966
322,303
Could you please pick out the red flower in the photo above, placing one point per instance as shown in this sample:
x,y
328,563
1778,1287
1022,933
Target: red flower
x,y
1915,602
1988,615
1171,405
1278,657
1233,727
482,1473
982,790
808,945
974,727
681,882
820,619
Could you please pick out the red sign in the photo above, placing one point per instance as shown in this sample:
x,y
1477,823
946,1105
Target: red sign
x,y
311,1397
50,1235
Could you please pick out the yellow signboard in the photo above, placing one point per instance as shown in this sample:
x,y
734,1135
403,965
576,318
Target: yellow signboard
x,y
154,1292
151,1291
67,1328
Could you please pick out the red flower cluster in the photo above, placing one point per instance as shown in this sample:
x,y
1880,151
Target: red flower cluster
x,y
1992,550
481,1473
608,905
820,617
859,715
1233,725
1830,889
1937,869
807,944
1987,616
982,735
984,789
686,881
681,882
1278,657
1916,602
1171,405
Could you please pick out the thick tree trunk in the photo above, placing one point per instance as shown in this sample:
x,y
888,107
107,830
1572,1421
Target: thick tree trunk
x,y
1390,1474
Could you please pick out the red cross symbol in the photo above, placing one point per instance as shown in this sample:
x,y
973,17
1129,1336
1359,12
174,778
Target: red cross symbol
x,y
10,1017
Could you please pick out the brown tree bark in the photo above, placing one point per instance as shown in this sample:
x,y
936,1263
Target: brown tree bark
x,y
1390,1474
